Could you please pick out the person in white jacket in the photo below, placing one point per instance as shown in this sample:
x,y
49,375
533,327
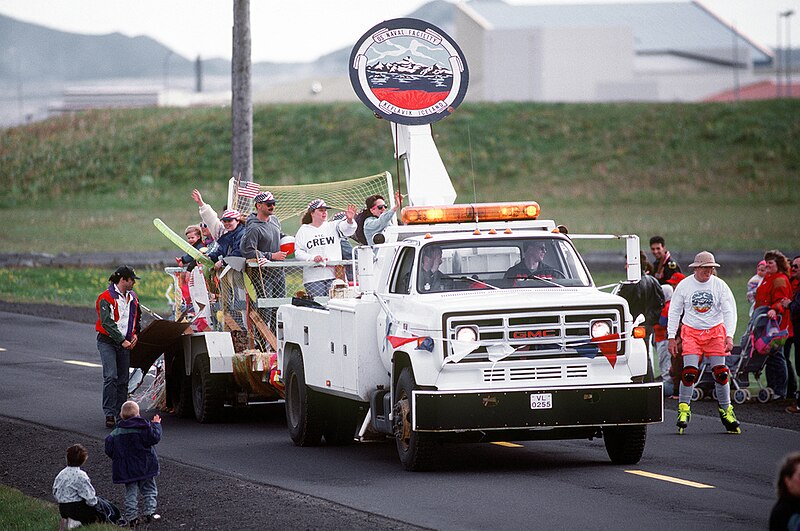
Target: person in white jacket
x,y
704,308
318,241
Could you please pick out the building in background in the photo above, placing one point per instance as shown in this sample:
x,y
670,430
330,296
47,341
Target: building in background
x,y
668,51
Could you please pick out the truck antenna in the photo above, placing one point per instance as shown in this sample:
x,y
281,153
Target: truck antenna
x,y
471,164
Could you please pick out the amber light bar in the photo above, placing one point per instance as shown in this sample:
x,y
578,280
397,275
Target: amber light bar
x,y
472,212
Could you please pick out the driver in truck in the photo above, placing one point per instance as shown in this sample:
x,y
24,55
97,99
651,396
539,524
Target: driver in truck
x,y
430,278
532,263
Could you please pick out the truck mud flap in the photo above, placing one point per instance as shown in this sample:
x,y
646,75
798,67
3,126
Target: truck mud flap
x,y
539,408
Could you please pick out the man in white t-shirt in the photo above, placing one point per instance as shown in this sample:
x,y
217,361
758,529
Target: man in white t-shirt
x,y
318,241
704,307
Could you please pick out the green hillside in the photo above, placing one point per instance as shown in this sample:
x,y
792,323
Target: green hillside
x,y
721,176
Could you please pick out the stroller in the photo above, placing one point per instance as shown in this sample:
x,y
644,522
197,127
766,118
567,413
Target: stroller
x,y
759,341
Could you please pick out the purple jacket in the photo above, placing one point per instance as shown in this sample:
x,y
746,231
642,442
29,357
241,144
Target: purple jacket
x,y
131,449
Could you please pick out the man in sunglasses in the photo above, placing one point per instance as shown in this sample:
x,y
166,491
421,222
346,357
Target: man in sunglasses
x,y
261,239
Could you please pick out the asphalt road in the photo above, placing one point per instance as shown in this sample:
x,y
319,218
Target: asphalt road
x,y
49,374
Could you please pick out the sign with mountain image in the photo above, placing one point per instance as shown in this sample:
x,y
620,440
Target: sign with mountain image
x,y
409,71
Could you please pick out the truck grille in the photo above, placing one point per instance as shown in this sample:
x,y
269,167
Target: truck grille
x,y
502,374
549,333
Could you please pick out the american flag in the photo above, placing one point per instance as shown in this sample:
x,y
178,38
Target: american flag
x,y
249,189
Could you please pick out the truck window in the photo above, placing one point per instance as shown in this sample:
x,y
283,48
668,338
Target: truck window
x,y
401,277
507,264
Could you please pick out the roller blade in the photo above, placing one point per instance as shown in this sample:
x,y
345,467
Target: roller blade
x,y
684,416
728,418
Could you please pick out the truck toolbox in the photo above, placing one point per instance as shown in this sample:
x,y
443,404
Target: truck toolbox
x,y
568,406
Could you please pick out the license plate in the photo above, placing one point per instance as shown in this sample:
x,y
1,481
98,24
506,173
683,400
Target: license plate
x,y
542,401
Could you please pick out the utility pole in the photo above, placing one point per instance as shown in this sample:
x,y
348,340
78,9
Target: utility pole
x,y
241,98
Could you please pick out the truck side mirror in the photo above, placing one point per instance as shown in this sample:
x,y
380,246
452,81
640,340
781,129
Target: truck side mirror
x,y
365,269
632,265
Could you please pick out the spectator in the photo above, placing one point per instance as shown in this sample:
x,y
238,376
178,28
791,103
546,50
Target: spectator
x,y
660,339
676,360
793,305
754,282
705,309
664,265
645,298
194,235
318,241
75,494
212,223
377,216
228,244
774,288
135,462
118,325
785,515
347,248
208,239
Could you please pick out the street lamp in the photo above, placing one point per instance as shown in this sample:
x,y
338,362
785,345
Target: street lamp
x,y
787,55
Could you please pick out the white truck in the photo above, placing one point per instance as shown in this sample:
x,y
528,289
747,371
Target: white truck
x,y
474,348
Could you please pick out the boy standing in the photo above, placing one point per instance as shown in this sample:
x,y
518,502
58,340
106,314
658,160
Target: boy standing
x,y
134,461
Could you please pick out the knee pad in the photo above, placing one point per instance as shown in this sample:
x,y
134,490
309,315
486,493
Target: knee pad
x,y
721,374
689,375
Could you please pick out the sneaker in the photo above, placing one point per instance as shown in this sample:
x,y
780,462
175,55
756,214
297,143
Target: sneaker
x,y
110,422
793,409
728,418
684,416
151,518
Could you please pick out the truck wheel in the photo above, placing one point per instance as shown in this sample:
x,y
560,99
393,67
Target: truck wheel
x,y
417,451
304,415
625,444
341,422
207,393
183,402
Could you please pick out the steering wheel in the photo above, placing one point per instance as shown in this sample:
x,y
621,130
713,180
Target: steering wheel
x,y
549,272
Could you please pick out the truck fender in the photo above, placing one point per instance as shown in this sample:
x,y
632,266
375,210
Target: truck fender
x,y
218,346
637,361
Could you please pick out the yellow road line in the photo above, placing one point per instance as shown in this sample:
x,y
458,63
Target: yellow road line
x,y
671,479
2,349
82,363
507,444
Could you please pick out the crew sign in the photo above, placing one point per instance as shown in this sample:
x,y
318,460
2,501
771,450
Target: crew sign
x,y
409,71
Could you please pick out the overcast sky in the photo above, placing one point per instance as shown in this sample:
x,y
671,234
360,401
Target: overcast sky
x,y
302,30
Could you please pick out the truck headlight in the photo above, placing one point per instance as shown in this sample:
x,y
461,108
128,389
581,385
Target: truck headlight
x,y
600,328
467,333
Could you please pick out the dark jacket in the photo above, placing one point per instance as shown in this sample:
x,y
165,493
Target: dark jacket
x,y
645,297
228,244
260,237
131,449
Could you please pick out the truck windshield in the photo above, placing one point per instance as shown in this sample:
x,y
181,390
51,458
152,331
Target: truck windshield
x,y
510,264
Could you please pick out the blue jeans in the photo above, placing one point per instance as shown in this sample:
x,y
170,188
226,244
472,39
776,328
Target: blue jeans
x,y
318,288
149,491
116,366
776,372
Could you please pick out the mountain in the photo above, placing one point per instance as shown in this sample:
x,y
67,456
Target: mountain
x,y
36,53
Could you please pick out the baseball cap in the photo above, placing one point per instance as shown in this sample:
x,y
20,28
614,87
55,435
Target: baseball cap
x,y
123,272
230,214
264,197
317,204
675,279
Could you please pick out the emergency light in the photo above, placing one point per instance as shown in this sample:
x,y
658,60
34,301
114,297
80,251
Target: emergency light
x,y
524,210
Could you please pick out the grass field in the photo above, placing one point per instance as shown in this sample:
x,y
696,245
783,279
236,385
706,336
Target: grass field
x,y
18,511
719,176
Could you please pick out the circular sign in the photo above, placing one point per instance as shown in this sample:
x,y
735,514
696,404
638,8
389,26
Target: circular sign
x,y
409,71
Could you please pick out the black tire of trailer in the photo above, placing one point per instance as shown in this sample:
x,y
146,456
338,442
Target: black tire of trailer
x,y
183,402
208,392
304,409
417,451
625,444
341,421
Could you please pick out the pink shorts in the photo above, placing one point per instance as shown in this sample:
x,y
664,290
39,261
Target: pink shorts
x,y
709,342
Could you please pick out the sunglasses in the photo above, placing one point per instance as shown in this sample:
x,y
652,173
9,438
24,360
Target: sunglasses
x,y
380,207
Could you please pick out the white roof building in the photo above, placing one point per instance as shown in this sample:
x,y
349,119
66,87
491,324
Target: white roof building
x,y
666,51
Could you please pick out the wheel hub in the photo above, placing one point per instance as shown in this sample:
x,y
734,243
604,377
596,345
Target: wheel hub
x,y
401,420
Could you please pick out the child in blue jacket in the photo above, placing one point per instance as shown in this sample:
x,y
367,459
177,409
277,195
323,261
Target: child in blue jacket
x,y
134,461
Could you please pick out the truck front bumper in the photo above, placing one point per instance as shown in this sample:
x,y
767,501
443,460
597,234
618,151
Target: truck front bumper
x,y
459,411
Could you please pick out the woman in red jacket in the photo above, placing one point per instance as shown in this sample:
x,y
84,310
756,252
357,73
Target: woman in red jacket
x,y
771,292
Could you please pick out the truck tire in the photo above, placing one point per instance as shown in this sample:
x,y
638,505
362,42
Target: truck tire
x,y
183,403
417,451
625,444
304,411
341,421
208,397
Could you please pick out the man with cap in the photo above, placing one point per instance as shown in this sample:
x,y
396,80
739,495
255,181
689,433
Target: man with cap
x,y
704,307
262,239
118,325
